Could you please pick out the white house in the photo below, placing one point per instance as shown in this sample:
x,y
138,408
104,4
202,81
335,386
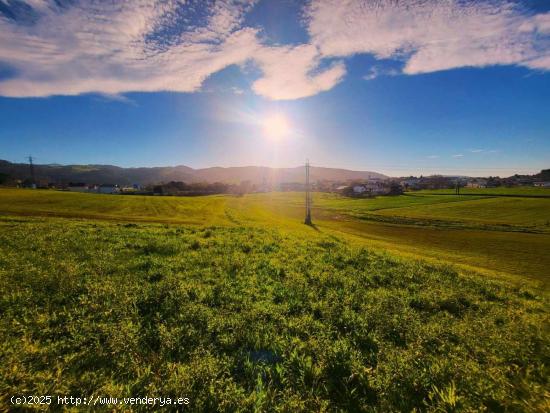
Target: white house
x,y
542,184
376,188
477,183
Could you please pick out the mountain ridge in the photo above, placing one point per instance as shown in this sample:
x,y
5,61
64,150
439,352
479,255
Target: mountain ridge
x,y
97,173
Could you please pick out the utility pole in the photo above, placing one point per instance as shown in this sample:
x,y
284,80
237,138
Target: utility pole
x,y
308,197
457,188
31,166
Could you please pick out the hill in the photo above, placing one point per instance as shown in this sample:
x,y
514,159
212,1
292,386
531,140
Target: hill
x,y
144,176
259,174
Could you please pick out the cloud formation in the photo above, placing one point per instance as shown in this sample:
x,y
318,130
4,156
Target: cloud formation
x,y
377,71
55,47
114,48
432,35
292,69
125,46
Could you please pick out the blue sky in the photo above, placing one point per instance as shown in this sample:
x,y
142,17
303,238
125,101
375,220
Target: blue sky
x,y
448,87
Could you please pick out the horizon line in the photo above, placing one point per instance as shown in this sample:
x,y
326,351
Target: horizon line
x,y
384,170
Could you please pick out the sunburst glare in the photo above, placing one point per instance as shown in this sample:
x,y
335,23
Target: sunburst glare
x,y
276,126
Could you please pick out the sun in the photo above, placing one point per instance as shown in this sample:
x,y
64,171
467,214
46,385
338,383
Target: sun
x,y
276,126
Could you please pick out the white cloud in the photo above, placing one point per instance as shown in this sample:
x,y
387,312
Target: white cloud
x,y
476,150
237,90
114,48
58,48
433,156
377,71
458,155
128,46
432,35
299,79
117,98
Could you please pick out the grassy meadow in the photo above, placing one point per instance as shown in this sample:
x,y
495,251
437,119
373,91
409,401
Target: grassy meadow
x,y
526,191
499,236
421,302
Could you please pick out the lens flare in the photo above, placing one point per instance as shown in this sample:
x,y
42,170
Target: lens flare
x,y
276,126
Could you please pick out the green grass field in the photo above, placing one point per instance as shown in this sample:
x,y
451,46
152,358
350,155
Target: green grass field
x,y
234,303
502,237
513,191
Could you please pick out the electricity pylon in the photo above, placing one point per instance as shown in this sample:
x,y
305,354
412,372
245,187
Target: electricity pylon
x,y
307,221
31,166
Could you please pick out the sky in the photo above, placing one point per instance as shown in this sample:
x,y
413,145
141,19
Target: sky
x,y
398,87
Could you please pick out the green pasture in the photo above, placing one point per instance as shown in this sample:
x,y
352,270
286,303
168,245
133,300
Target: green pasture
x,y
497,240
524,212
512,191
196,210
500,236
250,317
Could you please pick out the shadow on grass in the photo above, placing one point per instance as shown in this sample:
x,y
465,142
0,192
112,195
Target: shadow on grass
x,y
312,225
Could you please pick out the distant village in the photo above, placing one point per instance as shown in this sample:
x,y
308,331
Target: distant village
x,y
355,188
396,186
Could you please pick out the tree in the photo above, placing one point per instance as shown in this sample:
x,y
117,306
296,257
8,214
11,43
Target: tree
x,y
4,178
395,189
348,191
